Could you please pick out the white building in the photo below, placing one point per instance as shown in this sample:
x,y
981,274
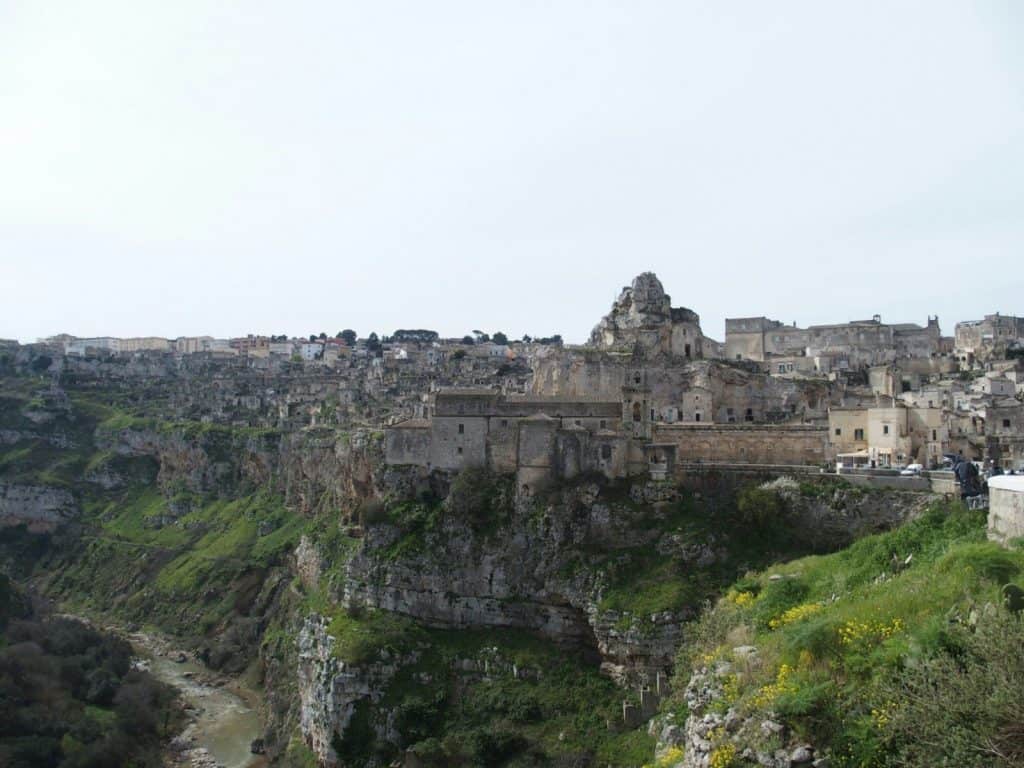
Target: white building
x,y
311,350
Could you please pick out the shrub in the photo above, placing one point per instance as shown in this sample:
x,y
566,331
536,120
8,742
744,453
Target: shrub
x,y
968,708
372,512
759,507
778,597
480,497
986,559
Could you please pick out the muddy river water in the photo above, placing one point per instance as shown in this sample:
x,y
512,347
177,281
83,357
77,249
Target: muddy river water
x,y
221,721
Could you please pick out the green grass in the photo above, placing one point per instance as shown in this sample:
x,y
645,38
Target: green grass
x,y
230,541
835,631
363,637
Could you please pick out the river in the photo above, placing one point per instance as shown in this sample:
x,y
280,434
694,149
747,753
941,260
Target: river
x,y
221,722
222,715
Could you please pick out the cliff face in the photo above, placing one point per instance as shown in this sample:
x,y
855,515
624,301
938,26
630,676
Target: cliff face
x,y
529,570
39,507
393,613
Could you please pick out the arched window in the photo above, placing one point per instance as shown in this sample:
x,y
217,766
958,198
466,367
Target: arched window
x,y
637,412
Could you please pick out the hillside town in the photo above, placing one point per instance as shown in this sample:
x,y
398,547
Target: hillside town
x,y
648,392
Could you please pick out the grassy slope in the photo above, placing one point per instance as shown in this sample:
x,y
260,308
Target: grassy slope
x,y
179,576
835,635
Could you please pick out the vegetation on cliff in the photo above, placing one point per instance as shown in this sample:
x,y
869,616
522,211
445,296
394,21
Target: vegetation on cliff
x,y
185,525
898,650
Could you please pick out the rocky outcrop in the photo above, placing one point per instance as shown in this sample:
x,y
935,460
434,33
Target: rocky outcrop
x,y
642,319
325,469
713,729
523,575
329,689
838,514
40,507
199,459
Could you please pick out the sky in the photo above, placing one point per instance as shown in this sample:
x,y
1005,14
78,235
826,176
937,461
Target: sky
x,y
226,167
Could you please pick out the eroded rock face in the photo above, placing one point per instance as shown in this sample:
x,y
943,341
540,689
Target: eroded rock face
x,y
216,460
521,576
714,727
40,507
643,317
330,689
323,470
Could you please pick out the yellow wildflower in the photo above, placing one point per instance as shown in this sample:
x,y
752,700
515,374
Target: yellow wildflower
x,y
794,614
741,599
723,756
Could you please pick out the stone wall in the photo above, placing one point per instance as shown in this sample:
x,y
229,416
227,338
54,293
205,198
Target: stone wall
x,y
745,443
408,443
1006,508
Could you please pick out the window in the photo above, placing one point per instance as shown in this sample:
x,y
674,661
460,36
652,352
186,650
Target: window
x,y
459,449
687,350
696,417
636,377
578,422
652,414
885,429
1006,423
603,423
696,398
858,434
637,413
606,452
750,414
838,432
504,422
462,429
934,436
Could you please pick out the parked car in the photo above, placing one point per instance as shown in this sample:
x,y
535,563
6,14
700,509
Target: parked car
x,y
912,470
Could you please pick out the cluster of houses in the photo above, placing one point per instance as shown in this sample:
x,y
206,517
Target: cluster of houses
x,y
649,388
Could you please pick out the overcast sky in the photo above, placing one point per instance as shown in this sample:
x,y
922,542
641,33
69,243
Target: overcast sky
x,y
199,167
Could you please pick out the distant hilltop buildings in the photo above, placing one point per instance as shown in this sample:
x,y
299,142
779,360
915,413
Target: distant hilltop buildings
x,y
648,393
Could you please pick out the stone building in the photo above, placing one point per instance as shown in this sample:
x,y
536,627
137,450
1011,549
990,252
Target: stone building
x,y
888,435
638,398
547,439
538,438
851,345
988,338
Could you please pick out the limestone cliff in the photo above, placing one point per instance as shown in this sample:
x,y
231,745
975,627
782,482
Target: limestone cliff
x,y
39,507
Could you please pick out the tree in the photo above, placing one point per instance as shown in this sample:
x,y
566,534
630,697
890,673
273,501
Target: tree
x,y
499,338
420,335
348,336
312,337
556,339
467,339
323,335
41,363
526,338
373,343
